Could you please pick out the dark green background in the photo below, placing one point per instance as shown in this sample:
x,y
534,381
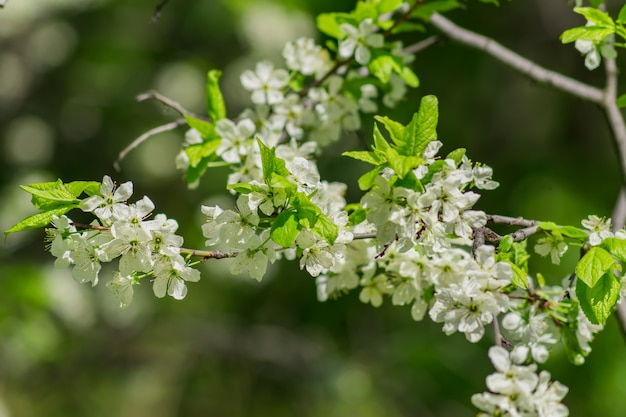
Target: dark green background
x,y
233,347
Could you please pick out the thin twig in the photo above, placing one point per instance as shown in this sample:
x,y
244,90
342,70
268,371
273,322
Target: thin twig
x,y
510,221
516,61
152,132
208,254
155,95
364,236
157,11
418,47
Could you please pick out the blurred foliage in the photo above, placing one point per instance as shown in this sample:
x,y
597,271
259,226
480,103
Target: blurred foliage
x,y
69,71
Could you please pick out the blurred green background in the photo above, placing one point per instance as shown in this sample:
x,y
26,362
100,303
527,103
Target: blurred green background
x,y
69,72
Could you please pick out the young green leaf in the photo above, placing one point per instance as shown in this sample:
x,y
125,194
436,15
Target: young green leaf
x,y
358,216
88,187
366,181
598,17
47,195
456,155
520,277
569,231
386,6
586,33
409,77
621,100
401,164
204,127
594,265
285,229
616,246
598,301
216,107
426,10
202,152
422,130
621,17
39,220
271,163
365,156
310,216
395,129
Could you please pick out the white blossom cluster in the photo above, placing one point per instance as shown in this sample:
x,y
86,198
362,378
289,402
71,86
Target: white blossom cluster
x,y
313,100
241,230
517,390
144,247
422,255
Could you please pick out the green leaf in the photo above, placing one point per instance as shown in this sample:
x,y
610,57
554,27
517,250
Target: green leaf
x,y
594,265
386,6
520,278
88,187
365,156
395,129
621,101
616,246
569,231
456,155
432,170
241,187
405,27
200,153
367,180
39,220
357,216
271,163
596,16
382,67
216,107
573,350
622,15
365,10
409,77
426,10
204,127
47,195
598,301
411,182
506,244
422,130
401,164
328,23
586,33
285,229
311,216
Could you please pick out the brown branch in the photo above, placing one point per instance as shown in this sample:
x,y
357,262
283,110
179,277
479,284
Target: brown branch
x,y
418,47
208,254
510,221
516,61
618,129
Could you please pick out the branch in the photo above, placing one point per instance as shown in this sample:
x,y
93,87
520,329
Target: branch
x,y
155,95
516,61
152,132
208,254
510,221
157,10
618,128
418,47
